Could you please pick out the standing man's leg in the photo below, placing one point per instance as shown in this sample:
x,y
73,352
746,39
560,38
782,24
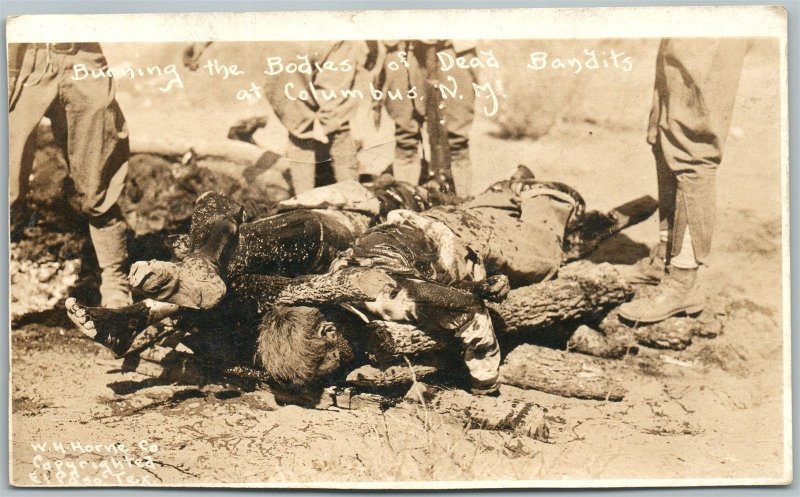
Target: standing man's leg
x,y
407,119
652,268
92,128
303,163
459,113
35,89
332,116
343,155
696,84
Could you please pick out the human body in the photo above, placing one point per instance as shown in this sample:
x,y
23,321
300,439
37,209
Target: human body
x,y
427,268
438,267
89,128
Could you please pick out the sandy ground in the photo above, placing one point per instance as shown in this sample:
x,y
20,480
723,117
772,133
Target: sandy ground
x,y
713,410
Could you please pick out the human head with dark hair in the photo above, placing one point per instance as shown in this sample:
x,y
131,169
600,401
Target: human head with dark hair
x,y
298,347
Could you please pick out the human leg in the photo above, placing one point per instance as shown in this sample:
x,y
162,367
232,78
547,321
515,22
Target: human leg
x,y
197,281
35,91
95,138
292,243
287,244
407,118
343,156
459,114
518,235
302,157
696,84
650,269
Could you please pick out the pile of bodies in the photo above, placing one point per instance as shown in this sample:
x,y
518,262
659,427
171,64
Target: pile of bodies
x,y
302,290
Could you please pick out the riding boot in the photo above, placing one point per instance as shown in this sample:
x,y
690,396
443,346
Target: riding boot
x,y
678,293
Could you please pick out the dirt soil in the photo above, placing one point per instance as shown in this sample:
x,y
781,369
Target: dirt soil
x,y
713,410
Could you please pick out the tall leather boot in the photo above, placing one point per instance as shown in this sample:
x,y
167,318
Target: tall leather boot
x,y
110,246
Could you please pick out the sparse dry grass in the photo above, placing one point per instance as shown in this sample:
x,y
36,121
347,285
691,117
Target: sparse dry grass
x,y
425,446
419,443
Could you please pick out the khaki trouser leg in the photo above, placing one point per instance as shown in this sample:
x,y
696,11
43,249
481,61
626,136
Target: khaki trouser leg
x,y
308,157
459,113
696,85
407,118
343,156
93,128
461,168
407,165
96,137
695,90
303,164
667,189
24,116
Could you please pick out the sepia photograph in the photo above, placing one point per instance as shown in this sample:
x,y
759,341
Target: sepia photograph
x,y
400,249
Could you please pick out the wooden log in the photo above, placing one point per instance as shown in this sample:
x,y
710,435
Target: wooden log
x,y
527,366
165,332
258,291
353,399
674,333
231,150
390,377
562,373
156,353
581,291
389,341
356,285
586,340
258,375
168,364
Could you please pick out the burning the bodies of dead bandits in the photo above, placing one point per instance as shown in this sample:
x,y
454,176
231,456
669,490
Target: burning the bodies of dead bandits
x,y
365,244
